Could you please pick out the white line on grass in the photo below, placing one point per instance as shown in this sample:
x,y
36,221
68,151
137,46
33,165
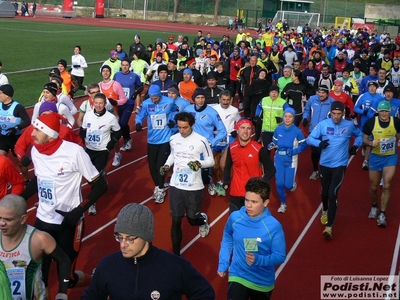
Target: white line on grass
x,y
62,31
46,68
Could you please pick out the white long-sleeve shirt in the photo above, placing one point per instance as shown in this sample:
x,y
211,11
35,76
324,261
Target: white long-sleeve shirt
x,y
183,150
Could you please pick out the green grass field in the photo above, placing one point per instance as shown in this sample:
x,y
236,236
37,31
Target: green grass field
x,y
29,46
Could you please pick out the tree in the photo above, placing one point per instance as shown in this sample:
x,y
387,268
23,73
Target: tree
x,y
176,3
216,12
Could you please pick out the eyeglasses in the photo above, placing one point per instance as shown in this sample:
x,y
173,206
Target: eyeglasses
x,y
94,92
128,239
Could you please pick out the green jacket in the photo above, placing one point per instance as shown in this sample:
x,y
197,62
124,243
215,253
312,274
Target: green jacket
x,y
271,109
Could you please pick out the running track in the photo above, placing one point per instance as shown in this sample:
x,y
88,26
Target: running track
x,y
358,247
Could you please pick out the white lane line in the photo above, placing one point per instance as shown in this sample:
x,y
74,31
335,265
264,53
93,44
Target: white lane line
x,y
198,235
296,244
109,223
303,233
395,253
394,261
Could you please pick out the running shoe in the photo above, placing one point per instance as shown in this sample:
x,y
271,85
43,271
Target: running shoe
x,y
381,182
127,145
160,196
204,230
381,220
373,214
212,189
314,175
92,210
294,187
324,217
117,159
282,208
327,233
220,190
365,165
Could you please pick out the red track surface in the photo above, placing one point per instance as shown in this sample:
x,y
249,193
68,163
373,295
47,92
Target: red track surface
x,y
358,247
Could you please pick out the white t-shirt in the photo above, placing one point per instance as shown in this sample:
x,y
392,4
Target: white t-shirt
x,y
3,79
228,116
78,60
59,178
184,150
99,129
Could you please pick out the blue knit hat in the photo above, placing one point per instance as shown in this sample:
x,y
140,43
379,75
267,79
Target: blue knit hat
x,y
154,91
290,111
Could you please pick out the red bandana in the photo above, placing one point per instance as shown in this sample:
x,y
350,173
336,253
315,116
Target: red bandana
x,y
50,147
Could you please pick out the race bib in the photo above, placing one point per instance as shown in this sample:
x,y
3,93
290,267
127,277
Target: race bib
x,y
250,245
158,121
395,80
94,137
127,92
46,191
387,145
17,280
183,177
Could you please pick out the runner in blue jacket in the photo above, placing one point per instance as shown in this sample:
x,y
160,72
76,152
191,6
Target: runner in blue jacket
x,y
257,242
160,112
333,136
289,141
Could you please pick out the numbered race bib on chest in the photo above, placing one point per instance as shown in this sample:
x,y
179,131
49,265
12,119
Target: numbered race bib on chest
x,y
46,191
158,121
17,280
127,92
387,145
183,177
250,245
94,137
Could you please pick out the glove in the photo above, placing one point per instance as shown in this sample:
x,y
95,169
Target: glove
x,y
289,152
112,101
234,134
71,217
26,161
171,124
353,150
164,169
12,131
82,133
271,146
324,144
76,66
278,120
111,144
353,116
305,122
61,296
194,165
139,127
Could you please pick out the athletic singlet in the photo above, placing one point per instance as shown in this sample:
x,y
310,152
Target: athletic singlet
x,y
358,77
110,93
275,60
395,77
7,118
24,273
386,137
